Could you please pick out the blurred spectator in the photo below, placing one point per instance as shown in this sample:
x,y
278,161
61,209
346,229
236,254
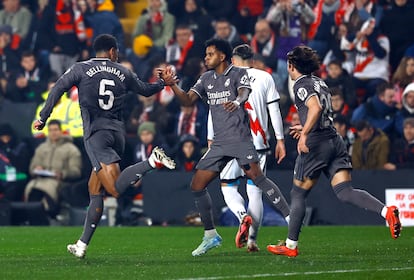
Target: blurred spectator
x,y
69,35
321,34
187,153
144,55
38,40
379,111
291,20
371,60
18,17
14,164
55,162
264,43
148,138
396,25
402,151
343,128
371,148
194,16
66,111
155,22
220,9
337,77
195,67
103,20
8,57
149,109
192,120
339,106
357,12
226,31
183,48
407,110
28,82
248,11
403,75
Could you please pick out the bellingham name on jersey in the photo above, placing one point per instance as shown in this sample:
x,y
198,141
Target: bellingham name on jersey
x,y
104,68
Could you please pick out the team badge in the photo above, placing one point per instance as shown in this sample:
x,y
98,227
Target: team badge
x,y
302,93
227,83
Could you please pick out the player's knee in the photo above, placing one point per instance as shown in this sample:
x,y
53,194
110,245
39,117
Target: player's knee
x,y
343,191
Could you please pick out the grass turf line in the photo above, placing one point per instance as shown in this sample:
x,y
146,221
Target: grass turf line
x,y
328,252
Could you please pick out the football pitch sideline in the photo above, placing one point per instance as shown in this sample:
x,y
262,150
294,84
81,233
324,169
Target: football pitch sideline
x,y
325,252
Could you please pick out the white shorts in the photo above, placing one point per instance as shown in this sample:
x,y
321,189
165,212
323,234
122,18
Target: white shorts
x,y
232,170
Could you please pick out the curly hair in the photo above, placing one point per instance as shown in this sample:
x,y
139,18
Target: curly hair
x,y
304,59
221,45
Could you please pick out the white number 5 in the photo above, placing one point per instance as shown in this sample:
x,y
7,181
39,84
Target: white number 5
x,y
105,93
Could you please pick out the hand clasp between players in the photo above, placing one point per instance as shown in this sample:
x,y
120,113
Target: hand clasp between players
x,y
168,75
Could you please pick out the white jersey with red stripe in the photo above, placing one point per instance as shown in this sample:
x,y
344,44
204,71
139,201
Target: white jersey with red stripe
x,y
263,93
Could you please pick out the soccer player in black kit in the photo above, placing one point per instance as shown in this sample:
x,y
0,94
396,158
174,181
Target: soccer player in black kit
x,y
225,88
320,149
103,84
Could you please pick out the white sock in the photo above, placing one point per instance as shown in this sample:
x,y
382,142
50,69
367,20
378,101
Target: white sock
x,y
81,244
384,211
210,233
291,244
255,209
234,201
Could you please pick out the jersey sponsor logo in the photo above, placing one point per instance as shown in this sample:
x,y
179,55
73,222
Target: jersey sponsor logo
x,y
302,93
218,97
227,83
244,80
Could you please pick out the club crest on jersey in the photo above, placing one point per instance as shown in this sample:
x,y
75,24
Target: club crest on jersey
x,y
244,80
227,83
302,93
210,86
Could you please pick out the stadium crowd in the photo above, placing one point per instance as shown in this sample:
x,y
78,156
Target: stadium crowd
x,y
367,49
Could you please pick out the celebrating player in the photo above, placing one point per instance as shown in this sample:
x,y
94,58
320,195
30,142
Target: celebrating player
x,y
320,149
103,84
226,88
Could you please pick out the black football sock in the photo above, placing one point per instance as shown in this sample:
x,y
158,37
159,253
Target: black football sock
x,y
93,217
297,211
346,193
203,203
130,175
273,194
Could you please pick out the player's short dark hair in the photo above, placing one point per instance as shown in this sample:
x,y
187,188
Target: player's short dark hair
x,y
221,45
55,122
304,59
244,51
104,42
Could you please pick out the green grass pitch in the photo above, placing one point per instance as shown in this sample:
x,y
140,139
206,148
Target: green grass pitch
x,y
326,252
